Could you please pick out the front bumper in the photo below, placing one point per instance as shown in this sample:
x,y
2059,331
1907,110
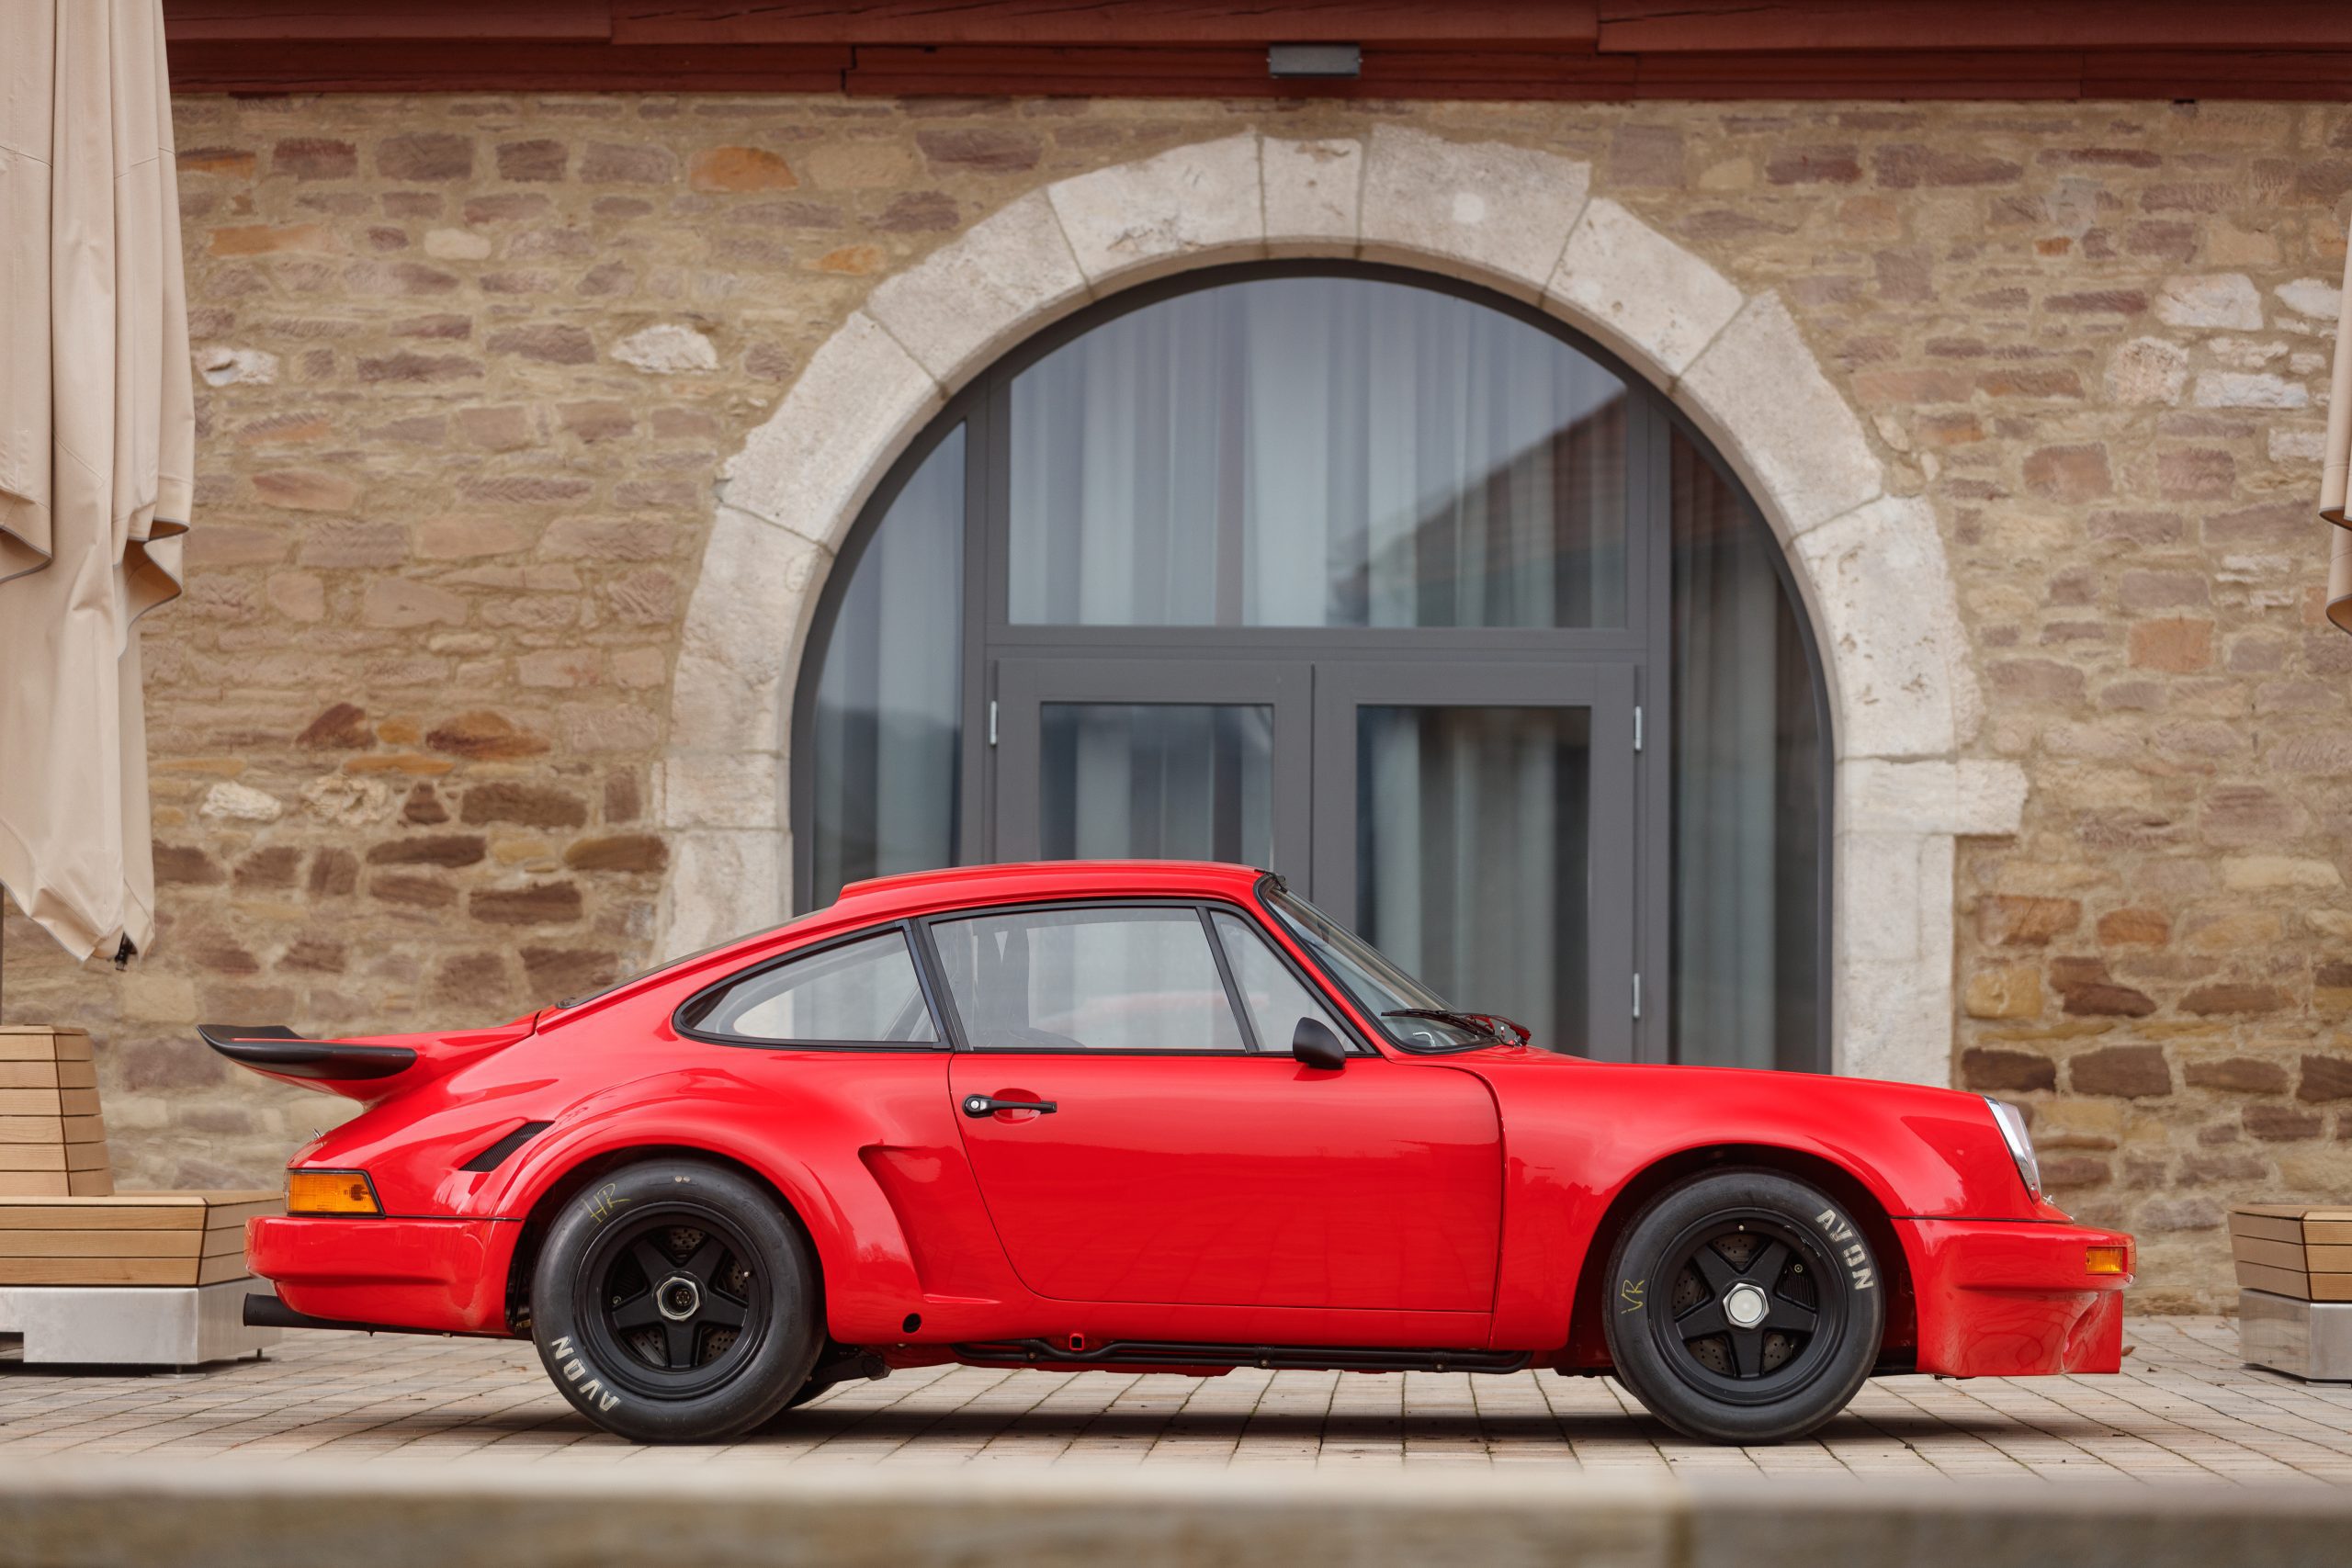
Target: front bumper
x,y
442,1276
2003,1299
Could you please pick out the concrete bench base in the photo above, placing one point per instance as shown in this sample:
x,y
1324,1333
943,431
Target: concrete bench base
x,y
2312,1340
132,1325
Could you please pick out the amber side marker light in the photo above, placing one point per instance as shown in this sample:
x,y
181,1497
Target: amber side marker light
x,y
330,1193
2107,1260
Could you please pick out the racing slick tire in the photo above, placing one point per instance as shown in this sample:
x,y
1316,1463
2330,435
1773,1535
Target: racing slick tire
x,y
1744,1306
675,1302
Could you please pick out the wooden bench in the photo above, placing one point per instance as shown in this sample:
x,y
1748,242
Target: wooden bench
x,y
91,1275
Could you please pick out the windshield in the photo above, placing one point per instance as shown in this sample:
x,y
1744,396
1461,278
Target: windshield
x,y
1372,981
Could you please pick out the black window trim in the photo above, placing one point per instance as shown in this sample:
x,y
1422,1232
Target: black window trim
x,y
1202,907
812,950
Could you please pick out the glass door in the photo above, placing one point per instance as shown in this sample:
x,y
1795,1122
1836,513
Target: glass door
x,y
1176,758
1476,825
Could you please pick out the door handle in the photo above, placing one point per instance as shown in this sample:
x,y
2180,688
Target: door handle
x,y
979,1105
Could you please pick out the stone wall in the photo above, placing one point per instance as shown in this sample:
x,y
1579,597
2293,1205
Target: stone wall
x,y
469,367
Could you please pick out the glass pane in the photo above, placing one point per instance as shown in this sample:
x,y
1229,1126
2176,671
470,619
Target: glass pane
x,y
1318,452
1471,856
865,992
1087,980
889,690
1749,786
1276,998
1157,780
1369,977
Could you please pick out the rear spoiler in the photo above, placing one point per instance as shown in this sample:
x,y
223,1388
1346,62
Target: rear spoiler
x,y
275,1049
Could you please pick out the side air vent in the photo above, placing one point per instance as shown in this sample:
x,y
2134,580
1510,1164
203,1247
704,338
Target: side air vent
x,y
495,1155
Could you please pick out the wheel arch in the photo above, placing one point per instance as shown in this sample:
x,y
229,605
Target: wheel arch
x,y
567,1184
1588,1346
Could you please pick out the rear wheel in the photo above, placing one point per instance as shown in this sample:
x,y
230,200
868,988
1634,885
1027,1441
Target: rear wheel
x,y
675,1302
1744,1307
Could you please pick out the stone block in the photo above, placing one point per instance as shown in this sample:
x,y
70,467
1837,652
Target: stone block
x,y
1314,196
1638,291
1482,210
961,306
1759,393
1132,221
726,693
1885,601
723,883
856,404
1998,1070
2130,1072
1976,797
2214,299
739,169
718,789
667,348
2004,991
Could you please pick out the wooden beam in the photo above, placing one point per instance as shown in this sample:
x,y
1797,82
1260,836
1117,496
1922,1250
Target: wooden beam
x,y
287,22
1661,27
1880,75
1232,72
495,67
1192,23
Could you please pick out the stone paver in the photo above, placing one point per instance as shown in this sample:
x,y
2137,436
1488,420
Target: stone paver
x,y
2184,1410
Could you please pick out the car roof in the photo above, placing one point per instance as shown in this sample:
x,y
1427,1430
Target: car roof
x,y
883,898
922,892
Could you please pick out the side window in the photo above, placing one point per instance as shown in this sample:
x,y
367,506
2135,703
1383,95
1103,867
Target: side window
x,y
862,992
1107,979
1275,997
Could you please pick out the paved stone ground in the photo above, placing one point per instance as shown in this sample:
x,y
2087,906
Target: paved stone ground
x,y
2184,1410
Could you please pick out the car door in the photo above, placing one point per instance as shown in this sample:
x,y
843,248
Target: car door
x,y
1140,1136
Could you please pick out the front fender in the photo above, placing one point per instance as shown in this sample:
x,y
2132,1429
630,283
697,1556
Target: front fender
x,y
1576,1140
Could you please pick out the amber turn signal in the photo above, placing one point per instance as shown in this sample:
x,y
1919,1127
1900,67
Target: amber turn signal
x,y
2107,1260
330,1193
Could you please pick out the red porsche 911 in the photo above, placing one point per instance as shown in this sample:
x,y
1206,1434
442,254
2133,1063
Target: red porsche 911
x,y
1150,1117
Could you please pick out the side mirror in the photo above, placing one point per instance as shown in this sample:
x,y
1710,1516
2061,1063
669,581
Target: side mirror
x,y
1314,1044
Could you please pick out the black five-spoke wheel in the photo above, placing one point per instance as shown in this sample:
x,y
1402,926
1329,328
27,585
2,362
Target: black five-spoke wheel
x,y
1744,1319
1744,1306
677,1292
676,1300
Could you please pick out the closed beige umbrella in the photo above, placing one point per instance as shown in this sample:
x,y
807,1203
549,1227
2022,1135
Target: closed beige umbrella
x,y
98,433
2338,470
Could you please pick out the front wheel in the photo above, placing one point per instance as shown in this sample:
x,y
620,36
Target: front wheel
x,y
675,1302
1744,1307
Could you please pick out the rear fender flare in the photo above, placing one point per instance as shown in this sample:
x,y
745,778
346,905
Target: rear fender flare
x,y
862,1252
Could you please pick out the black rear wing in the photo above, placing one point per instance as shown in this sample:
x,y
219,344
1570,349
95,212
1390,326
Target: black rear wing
x,y
275,1049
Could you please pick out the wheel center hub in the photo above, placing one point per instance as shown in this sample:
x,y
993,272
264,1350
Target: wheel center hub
x,y
679,1298
1744,1304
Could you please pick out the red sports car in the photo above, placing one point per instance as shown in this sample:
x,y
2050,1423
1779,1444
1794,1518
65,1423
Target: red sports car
x,y
1151,1117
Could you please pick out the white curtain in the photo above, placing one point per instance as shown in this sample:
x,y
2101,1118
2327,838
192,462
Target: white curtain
x,y
1473,864
1318,452
891,690
1748,784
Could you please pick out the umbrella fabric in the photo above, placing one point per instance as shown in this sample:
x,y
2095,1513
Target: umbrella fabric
x,y
2334,476
98,433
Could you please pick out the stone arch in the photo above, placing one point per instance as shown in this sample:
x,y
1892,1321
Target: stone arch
x,y
1870,563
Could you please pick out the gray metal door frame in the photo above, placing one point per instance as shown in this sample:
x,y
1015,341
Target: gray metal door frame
x,y
1023,686
1608,690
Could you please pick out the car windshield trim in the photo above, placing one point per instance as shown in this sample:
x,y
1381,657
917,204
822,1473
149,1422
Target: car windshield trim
x,y
1365,975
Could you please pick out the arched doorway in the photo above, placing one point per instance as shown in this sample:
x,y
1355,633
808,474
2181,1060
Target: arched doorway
x,y
1392,585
